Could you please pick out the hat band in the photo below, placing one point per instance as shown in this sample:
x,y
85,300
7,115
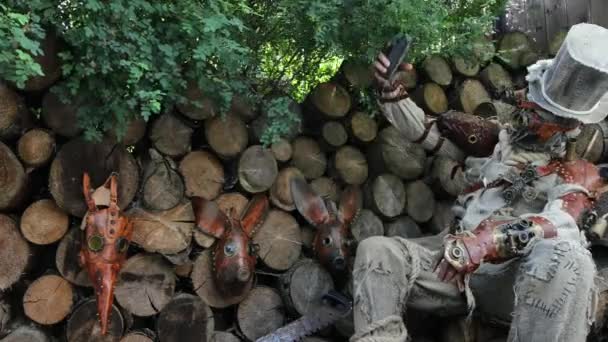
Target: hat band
x,y
560,107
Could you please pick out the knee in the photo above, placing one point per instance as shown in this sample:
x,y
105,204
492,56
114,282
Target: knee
x,y
380,252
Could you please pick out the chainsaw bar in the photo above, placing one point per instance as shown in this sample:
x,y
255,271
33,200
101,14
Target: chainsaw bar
x,y
335,306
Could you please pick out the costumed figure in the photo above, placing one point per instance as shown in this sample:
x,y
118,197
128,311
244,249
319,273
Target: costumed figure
x,y
517,251
234,254
107,237
332,243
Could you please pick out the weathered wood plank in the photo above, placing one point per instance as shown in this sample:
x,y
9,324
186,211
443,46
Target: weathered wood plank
x,y
556,17
599,12
535,13
578,11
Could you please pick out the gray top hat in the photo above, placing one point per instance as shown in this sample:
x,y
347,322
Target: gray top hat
x,y
575,83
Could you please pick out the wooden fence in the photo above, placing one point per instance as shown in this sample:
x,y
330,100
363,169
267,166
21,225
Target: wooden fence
x,y
542,19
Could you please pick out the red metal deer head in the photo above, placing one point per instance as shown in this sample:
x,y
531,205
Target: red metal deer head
x,y
104,249
234,254
332,243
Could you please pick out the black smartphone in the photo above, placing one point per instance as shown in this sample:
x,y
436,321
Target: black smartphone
x,y
396,52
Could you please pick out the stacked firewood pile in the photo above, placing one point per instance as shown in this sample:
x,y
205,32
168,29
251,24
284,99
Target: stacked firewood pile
x,y
165,291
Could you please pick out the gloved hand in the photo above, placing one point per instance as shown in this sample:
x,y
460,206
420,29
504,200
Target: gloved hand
x,y
389,90
456,260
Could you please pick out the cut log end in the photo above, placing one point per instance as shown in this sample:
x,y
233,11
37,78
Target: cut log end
x,y
61,118
35,148
331,100
162,187
14,253
196,105
308,157
387,195
351,165
227,135
365,225
468,67
27,333
280,193
281,150
48,300
83,325
326,188
185,318
43,222
303,286
170,136
14,116
471,94
364,127
146,284
512,46
420,201
261,313
279,239
432,98
66,258
203,174
395,154
438,70
403,227
334,134
257,169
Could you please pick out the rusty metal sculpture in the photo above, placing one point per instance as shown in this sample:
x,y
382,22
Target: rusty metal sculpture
x,y
332,243
474,135
234,255
104,249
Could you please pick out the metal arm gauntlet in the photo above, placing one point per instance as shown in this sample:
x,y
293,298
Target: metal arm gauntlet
x,y
495,241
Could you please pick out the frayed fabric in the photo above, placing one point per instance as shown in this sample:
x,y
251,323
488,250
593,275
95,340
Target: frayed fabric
x,y
389,329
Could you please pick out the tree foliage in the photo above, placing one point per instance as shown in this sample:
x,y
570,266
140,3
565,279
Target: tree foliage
x,y
133,58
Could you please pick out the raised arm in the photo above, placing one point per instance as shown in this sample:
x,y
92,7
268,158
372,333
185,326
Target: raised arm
x,y
407,117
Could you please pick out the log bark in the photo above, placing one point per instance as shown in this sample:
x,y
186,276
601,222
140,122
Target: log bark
x,y
326,188
365,225
431,97
203,174
139,336
14,116
303,286
395,154
280,192
185,318
279,239
387,196
261,313
308,157
442,218
468,67
282,150
162,186
420,201
27,333
13,180
257,169
48,300
83,325
99,160
170,136
334,134
403,227
363,127
197,106
204,286
511,48
351,165
165,232
472,93
61,118
146,284
43,222
227,136
14,253
331,100
244,107
438,70
49,61
36,147
66,258
496,78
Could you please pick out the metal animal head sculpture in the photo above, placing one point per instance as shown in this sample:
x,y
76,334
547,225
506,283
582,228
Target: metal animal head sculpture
x,y
234,255
332,243
104,249
474,135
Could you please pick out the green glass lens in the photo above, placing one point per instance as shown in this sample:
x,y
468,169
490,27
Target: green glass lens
x,y
96,243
